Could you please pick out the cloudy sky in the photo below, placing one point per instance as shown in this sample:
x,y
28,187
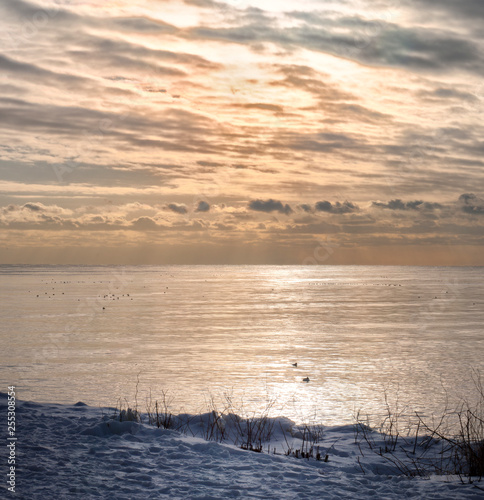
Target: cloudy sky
x,y
242,131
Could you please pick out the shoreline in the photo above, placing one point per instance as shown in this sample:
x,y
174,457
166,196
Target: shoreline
x,y
77,450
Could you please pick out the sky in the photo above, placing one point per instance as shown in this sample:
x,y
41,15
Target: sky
x,y
242,132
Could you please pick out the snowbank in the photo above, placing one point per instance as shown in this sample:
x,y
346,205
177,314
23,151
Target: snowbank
x,y
76,451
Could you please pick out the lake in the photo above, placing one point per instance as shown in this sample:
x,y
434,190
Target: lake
x,y
101,334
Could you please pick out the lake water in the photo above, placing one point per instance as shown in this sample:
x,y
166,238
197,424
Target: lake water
x,y
72,333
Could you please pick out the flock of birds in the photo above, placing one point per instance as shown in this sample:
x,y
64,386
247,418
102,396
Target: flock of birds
x,y
108,296
113,297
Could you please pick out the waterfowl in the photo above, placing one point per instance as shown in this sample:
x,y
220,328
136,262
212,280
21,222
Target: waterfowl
x,y
306,379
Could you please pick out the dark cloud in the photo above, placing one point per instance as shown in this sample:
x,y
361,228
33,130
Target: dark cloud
x,y
203,206
305,207
447,93
398,204
33,207
10,101
423,50
336,208
370,41
204,163
179,130
126,55
40,75
468,9
110,61
471,204
179,209
270,206
323,206
32,17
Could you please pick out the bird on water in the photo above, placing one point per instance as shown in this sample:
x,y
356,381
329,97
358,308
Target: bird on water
x,y
306,379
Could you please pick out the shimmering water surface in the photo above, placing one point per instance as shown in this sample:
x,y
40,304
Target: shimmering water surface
x,y
73,333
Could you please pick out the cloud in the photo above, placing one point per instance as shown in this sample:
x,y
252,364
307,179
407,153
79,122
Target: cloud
x,y
311,81
143,25
467,9
82,125
305,207
262,106
33,207
336,208
127,55
446,93
321,142
34,211
398,204
471,204
144,224
29,71
303,116
203,206
205,3
372,41
269,206
179,209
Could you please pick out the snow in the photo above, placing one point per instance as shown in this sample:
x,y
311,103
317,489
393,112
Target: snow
x,y
78,451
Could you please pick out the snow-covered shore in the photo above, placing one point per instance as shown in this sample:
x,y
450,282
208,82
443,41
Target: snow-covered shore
x,y
77,451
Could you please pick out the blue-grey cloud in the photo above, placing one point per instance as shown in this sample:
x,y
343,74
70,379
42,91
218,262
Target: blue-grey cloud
x,y
336,208
447,93
270,206
370,41
202,206
305,207
471,204
33,207
179,209
398,204
467,9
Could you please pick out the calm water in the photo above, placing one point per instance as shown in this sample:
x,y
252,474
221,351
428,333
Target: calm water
x,y
197,331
